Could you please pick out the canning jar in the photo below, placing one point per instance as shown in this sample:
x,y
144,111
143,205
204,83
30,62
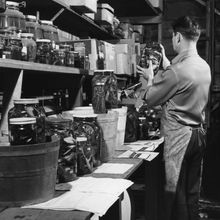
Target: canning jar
x,y
33,26
86,125
2,6
44,51
22,131
12,17
84,156
49,30
29,108
29,47
13,44
61,128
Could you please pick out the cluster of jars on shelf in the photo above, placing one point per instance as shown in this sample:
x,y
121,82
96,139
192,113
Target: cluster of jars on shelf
x,y
25,37
80,136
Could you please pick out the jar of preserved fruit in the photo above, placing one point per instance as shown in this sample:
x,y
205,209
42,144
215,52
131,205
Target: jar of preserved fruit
x,y
84,156
104,85
12,17
86,125
14,45
22,131
59,57
70,59
33,26
49,30
2,6
61,128
29,108
29,47
44,51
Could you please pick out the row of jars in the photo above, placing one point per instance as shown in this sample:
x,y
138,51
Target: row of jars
x,y
81,137
24,47
13,19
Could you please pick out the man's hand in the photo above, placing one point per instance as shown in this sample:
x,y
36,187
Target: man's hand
x,y
147,73
165,61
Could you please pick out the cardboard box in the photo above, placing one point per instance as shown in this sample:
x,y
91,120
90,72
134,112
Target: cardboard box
x,y
84,6
105,14
109,53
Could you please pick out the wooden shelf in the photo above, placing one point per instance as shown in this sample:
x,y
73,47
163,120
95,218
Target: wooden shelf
x,y
67,19
41,68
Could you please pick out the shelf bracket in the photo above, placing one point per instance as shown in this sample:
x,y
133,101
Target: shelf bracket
x,y
58,14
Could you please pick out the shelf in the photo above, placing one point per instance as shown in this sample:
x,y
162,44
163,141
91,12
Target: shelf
x,y
131,8
67,19
41,68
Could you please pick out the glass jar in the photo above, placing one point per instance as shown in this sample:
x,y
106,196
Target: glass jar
x,y
2,6
86,125
59,127
2,44
84,156
44,51
33,26
22,131
49,30
105,94
132,125
12,17
29,108
70,59
29,47
143,129
14,45
59,57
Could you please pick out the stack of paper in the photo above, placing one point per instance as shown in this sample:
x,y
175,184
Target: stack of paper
x,y
91,194
142,149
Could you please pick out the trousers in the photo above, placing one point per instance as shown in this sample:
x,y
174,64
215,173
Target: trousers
x,y
183,204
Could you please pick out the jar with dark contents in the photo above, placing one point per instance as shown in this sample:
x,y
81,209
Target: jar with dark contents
x,y
33,26
59,57
70,59
61,128
22,131
44,51
87,125
29,49
2,6
29,108
76,59
84,156
2,44
104,85
49,30
14,46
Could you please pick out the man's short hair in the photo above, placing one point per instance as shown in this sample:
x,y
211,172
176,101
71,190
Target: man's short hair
x,y
188,27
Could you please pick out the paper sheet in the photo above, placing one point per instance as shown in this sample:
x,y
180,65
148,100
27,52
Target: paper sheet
x,y
113,168
91,194
146,155
144,145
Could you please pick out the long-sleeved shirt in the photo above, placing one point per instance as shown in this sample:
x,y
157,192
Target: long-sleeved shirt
x,y
185,85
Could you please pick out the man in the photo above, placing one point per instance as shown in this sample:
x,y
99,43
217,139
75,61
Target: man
x,y
182,90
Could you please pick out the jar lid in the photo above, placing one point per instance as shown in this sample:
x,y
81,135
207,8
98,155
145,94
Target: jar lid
x,y
33,17
43,41
79,139
27,35
48,22
22,121
58,120
26,101
10,3
105,70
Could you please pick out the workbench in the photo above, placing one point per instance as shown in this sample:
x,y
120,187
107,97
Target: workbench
x,y
149,174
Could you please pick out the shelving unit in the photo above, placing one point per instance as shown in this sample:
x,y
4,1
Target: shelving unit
x,y
66,19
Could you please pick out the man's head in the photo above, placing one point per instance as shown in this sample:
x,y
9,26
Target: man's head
x,y
186,31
